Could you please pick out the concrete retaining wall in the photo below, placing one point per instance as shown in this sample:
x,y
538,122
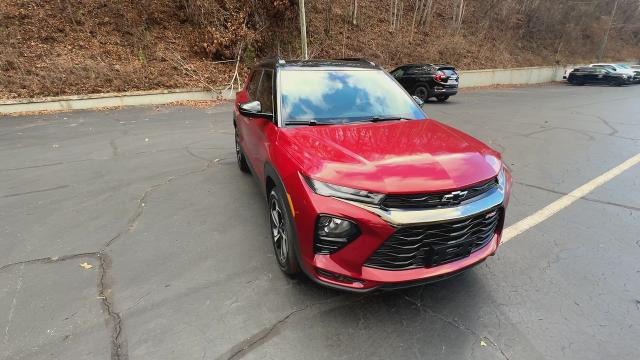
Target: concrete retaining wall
x,y
515,76
94,101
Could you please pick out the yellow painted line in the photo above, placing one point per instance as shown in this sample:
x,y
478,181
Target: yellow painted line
x,y
566,200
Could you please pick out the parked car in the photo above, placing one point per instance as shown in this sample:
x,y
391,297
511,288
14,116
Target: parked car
x,y
428,80
567,71
617,68
635,73
363,190
596,75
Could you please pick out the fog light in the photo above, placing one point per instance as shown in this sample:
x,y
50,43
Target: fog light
x,y
333,233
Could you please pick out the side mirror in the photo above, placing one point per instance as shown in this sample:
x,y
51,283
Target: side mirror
x,y
418,101
253,109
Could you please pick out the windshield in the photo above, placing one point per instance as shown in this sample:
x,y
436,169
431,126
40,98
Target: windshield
x,y
622,66
342,96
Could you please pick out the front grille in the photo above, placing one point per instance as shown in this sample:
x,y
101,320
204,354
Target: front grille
x,y
434,200
435,244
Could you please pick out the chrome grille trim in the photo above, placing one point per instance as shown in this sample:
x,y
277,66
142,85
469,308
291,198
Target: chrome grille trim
x,y
402,217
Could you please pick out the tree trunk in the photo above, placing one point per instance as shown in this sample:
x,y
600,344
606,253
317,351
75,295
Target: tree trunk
x,y
354,12
327,28
426,14
458,11
413,22
603,47
394,15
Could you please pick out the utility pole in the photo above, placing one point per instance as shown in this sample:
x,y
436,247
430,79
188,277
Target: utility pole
x,y
603,47
303,30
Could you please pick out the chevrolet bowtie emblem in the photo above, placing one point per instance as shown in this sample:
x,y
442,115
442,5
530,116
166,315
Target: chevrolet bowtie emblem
x,y
454,197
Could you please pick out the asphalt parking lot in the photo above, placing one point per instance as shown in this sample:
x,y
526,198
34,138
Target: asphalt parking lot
x,y
177,262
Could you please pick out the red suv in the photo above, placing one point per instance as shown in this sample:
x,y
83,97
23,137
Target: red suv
x,y
363,190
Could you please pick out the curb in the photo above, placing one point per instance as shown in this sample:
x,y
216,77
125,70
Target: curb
x,y
94,101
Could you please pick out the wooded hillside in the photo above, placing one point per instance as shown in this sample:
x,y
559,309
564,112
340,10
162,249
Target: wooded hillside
x,y
52,48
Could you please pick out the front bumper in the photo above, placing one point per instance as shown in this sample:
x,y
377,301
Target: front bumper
x,y
346,269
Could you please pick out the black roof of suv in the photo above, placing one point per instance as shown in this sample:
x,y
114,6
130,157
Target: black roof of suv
x,y
346,62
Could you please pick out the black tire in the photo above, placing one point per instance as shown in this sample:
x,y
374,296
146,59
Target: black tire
x,y
242,161
282,233
442,98
422,92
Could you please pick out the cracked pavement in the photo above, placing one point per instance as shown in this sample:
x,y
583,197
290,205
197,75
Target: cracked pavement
x,y
183,267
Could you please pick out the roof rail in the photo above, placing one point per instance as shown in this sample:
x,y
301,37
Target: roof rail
x,y
356,59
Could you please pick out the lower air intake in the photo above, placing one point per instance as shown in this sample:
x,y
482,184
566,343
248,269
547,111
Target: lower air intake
x,y
430,245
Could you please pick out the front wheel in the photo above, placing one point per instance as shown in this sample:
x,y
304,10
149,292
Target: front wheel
x,y
442,98
282,234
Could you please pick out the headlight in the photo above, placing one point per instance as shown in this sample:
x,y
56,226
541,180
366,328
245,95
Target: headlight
x,y
342,192
502,178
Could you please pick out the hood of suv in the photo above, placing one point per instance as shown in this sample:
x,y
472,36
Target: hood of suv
x,y
391,157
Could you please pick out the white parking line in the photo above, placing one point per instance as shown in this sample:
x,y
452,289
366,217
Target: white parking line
x,y
551,209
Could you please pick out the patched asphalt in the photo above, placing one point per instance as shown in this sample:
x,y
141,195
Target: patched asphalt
x,y
179,265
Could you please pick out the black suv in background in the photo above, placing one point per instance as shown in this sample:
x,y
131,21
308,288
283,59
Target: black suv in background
x,y
428,80
596,75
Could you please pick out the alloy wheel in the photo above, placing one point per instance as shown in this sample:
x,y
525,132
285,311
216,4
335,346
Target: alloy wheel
x,y
278,230
238,154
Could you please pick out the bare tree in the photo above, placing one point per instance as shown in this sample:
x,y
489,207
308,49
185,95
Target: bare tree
x,y
394,14
458,12
603,47
354,12
327,28
413,22
426,14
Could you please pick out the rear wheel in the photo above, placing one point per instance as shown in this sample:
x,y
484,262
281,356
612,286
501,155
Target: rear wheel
x,y
282,234
442,98
242,162
421,92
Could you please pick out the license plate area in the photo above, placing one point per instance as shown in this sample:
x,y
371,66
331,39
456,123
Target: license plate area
x,y
442,254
